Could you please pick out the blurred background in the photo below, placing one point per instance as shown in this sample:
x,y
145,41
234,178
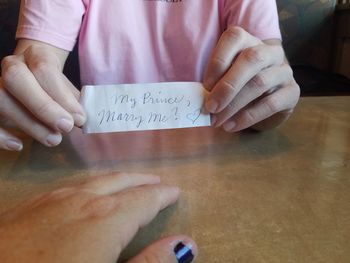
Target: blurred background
x,y
316,37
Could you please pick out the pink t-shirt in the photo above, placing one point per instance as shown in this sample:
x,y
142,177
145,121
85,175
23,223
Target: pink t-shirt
x,y
138,41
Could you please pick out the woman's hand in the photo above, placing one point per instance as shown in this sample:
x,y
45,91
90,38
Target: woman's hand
x,y
91,221
36,96
250,83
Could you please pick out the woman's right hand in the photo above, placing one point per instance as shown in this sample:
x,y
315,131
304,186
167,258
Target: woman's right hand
x,y
36,96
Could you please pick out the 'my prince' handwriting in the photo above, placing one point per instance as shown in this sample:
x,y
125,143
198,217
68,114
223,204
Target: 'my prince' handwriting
x,y
132,107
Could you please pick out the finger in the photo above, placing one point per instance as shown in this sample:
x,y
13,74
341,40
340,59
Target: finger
x,y
140,205
282,100
9,142
45,67
116,182
5,122
21,83
129,210
172,249
262,83
248,64
26,122
101,185
230,44
273,121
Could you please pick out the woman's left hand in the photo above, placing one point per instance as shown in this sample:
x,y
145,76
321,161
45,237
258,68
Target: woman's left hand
x,y
250,82
92,221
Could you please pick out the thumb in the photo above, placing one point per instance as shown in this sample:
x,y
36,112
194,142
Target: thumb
x,y
174,249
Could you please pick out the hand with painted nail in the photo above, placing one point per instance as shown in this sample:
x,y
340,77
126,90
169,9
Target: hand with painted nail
x,y
36,96
250,82
92,221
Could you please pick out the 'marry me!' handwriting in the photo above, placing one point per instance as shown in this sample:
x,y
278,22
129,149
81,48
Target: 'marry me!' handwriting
x,y
144,106
107,116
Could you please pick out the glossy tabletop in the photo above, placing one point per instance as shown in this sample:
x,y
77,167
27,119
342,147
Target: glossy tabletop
x,y
276,196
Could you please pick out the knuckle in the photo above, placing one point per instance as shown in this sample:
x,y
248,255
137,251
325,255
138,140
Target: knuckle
x,y
289,71
155,194
7,61
231,106
34,51
219,64
234,33
31,51
259,81
42,107
99,206
230,86
254,55
38,66
11,71
272,104
249,116
40,58
278,52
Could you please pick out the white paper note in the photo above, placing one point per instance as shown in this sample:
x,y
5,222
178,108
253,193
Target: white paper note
x,y
136,107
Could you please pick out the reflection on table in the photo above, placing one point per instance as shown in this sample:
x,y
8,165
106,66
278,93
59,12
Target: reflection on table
x,y
276,196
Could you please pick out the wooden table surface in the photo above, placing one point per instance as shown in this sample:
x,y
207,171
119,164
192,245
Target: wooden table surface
x,y
277,196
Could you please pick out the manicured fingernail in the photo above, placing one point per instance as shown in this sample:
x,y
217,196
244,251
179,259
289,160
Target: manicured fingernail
x,y
229,126
183,253
53,139
79,119
65,125
14,145
211,106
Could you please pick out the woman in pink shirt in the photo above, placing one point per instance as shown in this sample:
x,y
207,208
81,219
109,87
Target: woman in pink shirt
x,y
232,46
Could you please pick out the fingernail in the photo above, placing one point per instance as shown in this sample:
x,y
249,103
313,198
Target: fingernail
x,y
229,126
79,119
14,145
183,253
65,125
209,83
53,139
211,105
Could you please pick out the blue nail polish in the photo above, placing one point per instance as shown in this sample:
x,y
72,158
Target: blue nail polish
x,y
183,253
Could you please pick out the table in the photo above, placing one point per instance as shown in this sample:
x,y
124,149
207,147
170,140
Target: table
x,y
276,196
